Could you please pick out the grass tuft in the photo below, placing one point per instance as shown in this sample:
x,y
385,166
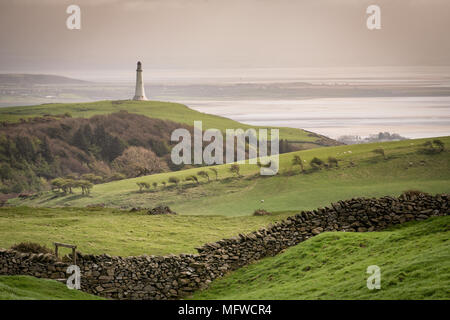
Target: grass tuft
x,y
30,288
414,259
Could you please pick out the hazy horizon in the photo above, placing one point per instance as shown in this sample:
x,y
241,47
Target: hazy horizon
x,y
208,34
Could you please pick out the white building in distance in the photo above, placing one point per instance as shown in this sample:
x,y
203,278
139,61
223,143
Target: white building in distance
x,y
140,92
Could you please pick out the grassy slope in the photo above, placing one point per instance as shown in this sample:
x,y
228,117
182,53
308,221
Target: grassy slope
x,y
372,176
29,288
414,261
154,109
119,232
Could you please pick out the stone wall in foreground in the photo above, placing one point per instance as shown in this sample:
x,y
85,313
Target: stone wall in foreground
x,y
175,276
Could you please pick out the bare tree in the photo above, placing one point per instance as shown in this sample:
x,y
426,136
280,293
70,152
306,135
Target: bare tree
x,y
138,161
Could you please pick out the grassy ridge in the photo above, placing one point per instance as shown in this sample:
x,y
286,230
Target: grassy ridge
x,y
29,288
154,109
414,261
370,175
118,232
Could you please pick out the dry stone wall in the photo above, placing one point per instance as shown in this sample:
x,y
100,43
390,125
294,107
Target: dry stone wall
x,y
175,276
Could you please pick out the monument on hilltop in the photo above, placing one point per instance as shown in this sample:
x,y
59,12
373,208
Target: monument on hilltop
x,y
140,92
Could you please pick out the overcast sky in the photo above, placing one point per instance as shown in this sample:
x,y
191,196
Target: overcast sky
x,y
221,34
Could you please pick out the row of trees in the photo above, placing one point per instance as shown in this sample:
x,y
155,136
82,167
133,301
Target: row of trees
x,y
235,169
67,185
315,163
176,181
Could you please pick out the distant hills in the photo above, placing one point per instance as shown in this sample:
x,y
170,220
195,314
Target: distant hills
x,y
36,79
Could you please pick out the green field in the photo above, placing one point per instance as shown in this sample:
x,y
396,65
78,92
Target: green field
x,y
154,109
370,175
121,233
414,259
218,209
29,288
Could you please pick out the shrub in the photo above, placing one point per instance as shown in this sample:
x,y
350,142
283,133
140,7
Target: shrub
x,y
203,174
174,180
261,212
316,163
143,185
192,178
297,161
31,247
160,210
155,184
440,145
235,169
138,161
333,161
428,148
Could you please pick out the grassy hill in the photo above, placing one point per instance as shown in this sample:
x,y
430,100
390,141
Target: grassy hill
x,y
154,109
29,288
360,173
414,259
121,233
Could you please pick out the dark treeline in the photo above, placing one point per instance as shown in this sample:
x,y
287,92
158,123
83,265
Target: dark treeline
x,y
115,146
103,148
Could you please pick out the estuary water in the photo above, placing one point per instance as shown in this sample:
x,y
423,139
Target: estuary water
x,y
411,101
412,117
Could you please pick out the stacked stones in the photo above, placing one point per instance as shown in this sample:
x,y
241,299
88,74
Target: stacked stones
x,y
261,212
175,276
37,265
160,210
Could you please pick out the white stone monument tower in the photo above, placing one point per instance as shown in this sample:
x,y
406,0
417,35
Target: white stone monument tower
x,y
140,92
